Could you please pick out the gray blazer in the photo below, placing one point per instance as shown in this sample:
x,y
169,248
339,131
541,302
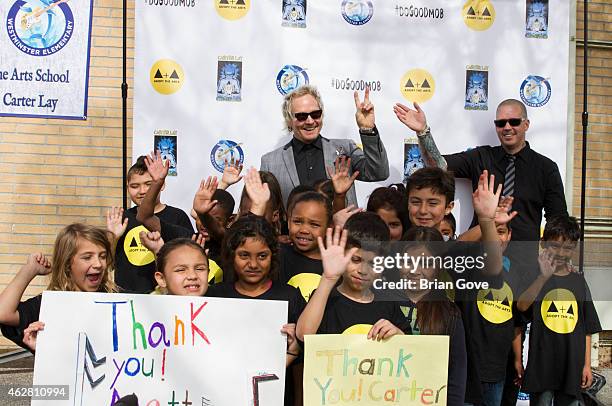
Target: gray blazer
x,y
371,162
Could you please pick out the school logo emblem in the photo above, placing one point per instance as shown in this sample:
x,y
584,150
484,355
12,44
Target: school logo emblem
x,y
559,311
225,150
306,283
40,27
166,76
535,91
167,147
476,88
294,13
136,253
232,9
358,329
229,78
479,15
495,305
357,12
290,77
536,24
417,85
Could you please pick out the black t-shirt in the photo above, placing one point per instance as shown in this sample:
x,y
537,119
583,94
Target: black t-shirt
x,y
299,271
562,316
277,291
345,316
135,264
29,312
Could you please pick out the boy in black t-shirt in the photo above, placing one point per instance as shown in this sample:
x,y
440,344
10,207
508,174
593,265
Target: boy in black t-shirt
x,y
135,264
563,320
350,308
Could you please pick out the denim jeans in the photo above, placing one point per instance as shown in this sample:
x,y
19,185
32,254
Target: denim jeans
x,y
491,393
560,399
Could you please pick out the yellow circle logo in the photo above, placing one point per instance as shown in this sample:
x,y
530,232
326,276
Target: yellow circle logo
x,y
358,329
417,85
560,311
478,14
495,305
136,253
306,283
166,76
232,9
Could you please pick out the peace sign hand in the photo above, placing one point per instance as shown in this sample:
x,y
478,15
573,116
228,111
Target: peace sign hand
x,y
365,110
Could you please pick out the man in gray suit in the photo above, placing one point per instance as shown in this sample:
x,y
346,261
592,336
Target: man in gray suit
x,y
304,159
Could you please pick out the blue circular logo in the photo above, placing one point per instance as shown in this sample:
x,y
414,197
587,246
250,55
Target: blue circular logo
x,y
40,31
357,12
290,77
225,150
535,91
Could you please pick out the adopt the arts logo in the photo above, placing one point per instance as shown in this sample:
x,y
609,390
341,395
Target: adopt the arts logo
x,y
357,12
226,151
290,77
40,27
535,91
559,311
166,76
417,85
232,9
479,15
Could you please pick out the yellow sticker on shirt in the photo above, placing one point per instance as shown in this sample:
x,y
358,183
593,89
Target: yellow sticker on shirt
x,y
306,283
495,305
358,329
136,253
560,311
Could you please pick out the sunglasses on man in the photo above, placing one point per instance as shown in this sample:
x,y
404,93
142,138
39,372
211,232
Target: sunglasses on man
x,y
304,116
514,122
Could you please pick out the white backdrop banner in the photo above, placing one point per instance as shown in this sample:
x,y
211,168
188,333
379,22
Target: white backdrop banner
x,y
44,58
165,349
210,75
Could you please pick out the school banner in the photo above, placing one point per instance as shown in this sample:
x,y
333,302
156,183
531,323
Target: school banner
x,y
44,58
96,348
210,76
352,370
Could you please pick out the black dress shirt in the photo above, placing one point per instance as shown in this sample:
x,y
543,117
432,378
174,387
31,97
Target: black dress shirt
x,y
309,161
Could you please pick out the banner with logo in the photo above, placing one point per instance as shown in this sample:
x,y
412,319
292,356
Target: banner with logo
x,y
44,58
352,370
213,73
165,349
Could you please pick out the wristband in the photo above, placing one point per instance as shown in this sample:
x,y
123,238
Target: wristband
x,y
425,130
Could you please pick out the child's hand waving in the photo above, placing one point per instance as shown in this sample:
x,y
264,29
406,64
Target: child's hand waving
x,y
334,258
38,264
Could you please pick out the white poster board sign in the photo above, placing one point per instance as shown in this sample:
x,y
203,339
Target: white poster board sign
x,y
208,351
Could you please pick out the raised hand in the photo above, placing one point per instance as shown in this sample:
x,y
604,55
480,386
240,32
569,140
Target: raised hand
x,y
383,329
293,346
231,173
413,119
200,239
503,215
334,258
341,216
156,167
151,240
365,110
484,199
115,223
38,264
546,260
258,192
202,201
340,178
30,334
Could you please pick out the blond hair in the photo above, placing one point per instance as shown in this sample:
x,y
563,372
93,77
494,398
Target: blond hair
x,y
299,92
64,250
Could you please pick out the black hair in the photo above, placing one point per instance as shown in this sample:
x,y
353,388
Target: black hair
x,y
249,226
325,187
299,189
314,197
138,168
439,180
391,198
366,227
225,202
563,226
167,248
450,219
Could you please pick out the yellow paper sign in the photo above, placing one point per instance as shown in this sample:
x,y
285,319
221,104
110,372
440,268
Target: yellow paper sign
x,y
352,370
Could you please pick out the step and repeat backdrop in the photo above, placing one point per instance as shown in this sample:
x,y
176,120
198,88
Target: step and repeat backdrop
x,y
210,76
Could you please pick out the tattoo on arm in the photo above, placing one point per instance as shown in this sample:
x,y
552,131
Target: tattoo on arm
x,y
430,152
